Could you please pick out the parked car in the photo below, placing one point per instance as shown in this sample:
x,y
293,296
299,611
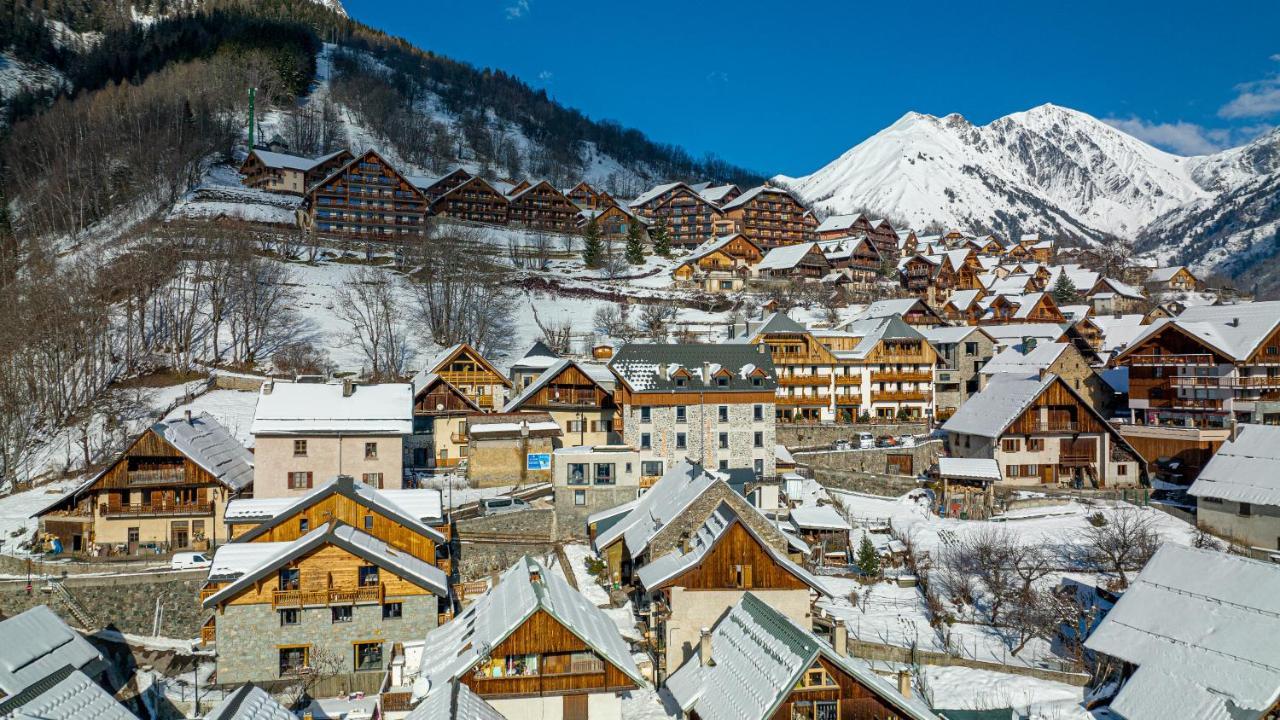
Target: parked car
x,y
840,445
866,440
886,441
190,561
500,505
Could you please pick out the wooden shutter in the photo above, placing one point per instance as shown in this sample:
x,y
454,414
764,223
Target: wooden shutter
x,y
575,707
308,478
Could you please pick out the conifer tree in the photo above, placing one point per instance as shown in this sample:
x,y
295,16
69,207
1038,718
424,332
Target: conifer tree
x,y
592,247
661,240
1064,291
868,560
635,247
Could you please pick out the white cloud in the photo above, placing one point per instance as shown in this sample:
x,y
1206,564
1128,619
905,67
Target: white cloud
x,y
545,76
718,76
1180,137
517,9
1260,98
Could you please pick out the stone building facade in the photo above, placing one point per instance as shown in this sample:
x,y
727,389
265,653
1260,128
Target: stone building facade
x,y
718,436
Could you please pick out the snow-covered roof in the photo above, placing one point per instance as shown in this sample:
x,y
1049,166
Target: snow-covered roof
x,y
962,299
783,455
66,694
678,487
747,196
1015,333
1012,360
599,375
211,446
656,191
34,644
872,330
524,588
412,508
539,357
285,161
453,701
990,411
497,426
1235,330
838,222
704,539
1200,625
647,367
234,559
1246,469
1120,288
948,334
758,657
715,194
357,542
249,702
818,517
969,468
778,322
320,408
711,246
1118,332
785,257
1164,274
885,308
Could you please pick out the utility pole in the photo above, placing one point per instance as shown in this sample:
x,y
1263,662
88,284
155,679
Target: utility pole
x,y
253,91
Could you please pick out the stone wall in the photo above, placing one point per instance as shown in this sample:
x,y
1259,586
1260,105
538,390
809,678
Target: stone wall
x,y
701,430
798,435
124,602
669,538
537,523
249,636
868,483
480,560
494,463
874,460
572,518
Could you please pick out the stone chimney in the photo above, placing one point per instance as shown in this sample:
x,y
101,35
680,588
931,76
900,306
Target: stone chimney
x,y
348,387
188,416
1235,322
904,683
706,373
840,638
704,648
664,371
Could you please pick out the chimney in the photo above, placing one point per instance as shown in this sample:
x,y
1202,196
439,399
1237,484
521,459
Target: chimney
x,y
904,683
704,648
346,482
348,387
664,371
706,373
535,575
268,386
840,638
188,416
733,331
1235,322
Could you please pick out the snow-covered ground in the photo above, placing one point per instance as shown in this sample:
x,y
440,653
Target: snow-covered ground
x,y
220,194
16,522
961,688
577,553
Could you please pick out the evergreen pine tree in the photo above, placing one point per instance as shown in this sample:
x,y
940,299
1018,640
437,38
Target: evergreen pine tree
x,y
661,240
868,560
635,247
592,247
1064,291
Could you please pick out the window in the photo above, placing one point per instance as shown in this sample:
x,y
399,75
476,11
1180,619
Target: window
x,y
742,576
368,522
722,381
299,480
604,474
646,414
681,382
293,659
579,497
577,474
680,441
1122,470
1245,510
368,575
304,525
133,535
723,440
341,613
757,412
646,441
722,413
1010,444
724,465
392,611
971,348
680,414
299,448
757,381
651,467
371,451
291,616
758,466
288,579
372,480
368,656
1035,444
757,439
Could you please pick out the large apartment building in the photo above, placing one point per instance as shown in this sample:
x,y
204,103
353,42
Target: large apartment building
x,y
770,216
713,404
290,174
689,216
364,200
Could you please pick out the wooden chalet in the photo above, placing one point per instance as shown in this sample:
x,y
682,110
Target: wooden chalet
x,y
613,222
1036,307
439,425
467,370
473,200
689,216
1110,296
804,261
366,200
542,206
964,267
720,265
758,663
708,574
579,398
856,256
964,306
166,492
770,216
533,646
435,187
291,174
986,245
1173,279
588,198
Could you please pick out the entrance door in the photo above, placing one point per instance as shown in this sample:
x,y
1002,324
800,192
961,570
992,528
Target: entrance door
x,y
133,541
575,707
179,537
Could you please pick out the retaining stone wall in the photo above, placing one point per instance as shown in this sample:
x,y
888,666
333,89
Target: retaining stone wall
x,y
869,483
874,460
797,435
126,602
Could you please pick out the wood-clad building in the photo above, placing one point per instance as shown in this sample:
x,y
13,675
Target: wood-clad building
x,y
770,216
613,221
803,261
724,264
166,492
291,174
467,370
473,200
579,397
439,423
366,200
540,205
434,187
589,198
855,256
532,646
689,216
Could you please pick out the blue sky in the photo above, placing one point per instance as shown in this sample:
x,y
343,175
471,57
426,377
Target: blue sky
x,y
785,87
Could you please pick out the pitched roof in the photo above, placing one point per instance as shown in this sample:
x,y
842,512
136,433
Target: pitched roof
x,y
292,162
524,588
891,306
646,367
272,555
678,487
1201,655
249,702
655,192
969,468
785,257
454,701
838,222
65,694
436,361
990,411
308,408
715,194
818,517
1017,332
550,374
1164,274
751,194
1012,360
949,334
704,539
1246,469
779,322
872,331
759,656
539,356
423,381
507,425
411,508
962,299
1120,288
211,446
35,643
713,245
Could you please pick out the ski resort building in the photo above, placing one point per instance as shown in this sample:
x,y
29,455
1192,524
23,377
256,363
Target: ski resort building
x,y
366,199
769,216
290,174
690,218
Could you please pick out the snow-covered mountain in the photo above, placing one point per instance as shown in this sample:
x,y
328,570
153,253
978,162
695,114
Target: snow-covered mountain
x,y
1050,169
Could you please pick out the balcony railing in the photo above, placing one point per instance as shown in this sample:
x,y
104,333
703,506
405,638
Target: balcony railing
x,y
1076,459
156,509
1055,426
1162,360
368,594
803,400
165,476
822,380
1247,382
905,376
208,633
901,396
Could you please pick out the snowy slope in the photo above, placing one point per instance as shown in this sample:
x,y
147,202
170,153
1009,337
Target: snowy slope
x,y
1049,168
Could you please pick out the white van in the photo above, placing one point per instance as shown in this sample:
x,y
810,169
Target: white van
x,y
866,440
190,561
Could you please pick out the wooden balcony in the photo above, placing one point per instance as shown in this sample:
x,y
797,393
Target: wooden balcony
x,y
1165,360
847,380
456,439
163,509
901,396
1076,460
207,592
819,380
890,376
208,633
1051,426
484,401
369,594
808,400
160,476
648,481
1249,382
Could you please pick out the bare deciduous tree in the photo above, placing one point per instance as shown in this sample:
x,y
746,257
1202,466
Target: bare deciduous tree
x,y
462,295
654,321
369,302
1121,540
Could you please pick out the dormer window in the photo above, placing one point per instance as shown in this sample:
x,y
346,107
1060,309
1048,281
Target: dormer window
x,y
681,382
756,381
722,381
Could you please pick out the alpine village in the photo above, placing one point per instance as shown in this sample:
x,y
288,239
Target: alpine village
x,y
345,381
